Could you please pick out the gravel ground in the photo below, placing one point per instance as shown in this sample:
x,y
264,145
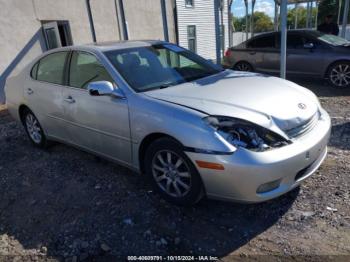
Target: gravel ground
x,y
64,204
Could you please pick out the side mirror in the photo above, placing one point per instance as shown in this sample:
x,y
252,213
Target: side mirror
x,y
309,46
104,88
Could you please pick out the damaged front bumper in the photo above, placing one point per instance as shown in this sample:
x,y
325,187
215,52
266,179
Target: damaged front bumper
x,y
259,176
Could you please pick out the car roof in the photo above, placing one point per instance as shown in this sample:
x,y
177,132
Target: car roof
x,y
112,45
288,31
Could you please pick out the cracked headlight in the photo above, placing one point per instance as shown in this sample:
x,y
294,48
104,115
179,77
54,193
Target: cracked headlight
x,y
242,133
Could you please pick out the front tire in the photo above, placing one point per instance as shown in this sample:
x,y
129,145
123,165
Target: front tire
x,y
171,172
33,129
339,75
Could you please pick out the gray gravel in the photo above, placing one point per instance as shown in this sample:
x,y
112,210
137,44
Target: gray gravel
x,y
65,204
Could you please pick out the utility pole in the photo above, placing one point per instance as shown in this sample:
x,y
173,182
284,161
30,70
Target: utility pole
x,y
345,18
252,19
296,16
91,21
165,21
230,26
217,31
316,18
276,16
339,11
283,38
124,23
307,14
246,19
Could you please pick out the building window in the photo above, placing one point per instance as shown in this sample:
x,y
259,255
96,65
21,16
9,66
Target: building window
x,y
57,34
189,3
192,38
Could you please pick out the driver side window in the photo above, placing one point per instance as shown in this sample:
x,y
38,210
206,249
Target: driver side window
x,y
85,68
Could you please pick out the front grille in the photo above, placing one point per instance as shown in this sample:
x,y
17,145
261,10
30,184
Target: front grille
x,y
303,127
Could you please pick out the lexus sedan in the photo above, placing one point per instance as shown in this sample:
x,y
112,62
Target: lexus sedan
x,y
193,128
309,53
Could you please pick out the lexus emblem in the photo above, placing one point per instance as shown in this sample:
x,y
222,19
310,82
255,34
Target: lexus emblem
x,y
302,106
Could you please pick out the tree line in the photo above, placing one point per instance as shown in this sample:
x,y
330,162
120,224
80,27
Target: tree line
x,y
264,23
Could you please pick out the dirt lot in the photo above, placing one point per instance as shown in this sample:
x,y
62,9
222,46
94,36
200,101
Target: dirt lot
x,y
65,204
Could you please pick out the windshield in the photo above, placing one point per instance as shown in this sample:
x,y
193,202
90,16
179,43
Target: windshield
x,y
159,66
331,39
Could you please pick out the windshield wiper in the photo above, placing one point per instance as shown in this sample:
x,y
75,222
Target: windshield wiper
x,y
192,78
162,86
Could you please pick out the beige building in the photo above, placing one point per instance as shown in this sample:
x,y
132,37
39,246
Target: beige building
x,y
29,27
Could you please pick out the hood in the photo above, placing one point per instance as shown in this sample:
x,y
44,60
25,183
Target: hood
x,y
264,100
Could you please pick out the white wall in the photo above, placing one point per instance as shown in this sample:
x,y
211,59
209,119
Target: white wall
x,y
145,20
201,15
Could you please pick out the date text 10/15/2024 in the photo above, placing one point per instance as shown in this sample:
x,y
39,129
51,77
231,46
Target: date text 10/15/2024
x,y
172,258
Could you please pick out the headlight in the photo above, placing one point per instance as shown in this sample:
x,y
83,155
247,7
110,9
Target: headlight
x,y
242,133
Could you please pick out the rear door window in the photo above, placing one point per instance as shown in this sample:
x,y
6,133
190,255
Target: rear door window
x,y
262,42
51,68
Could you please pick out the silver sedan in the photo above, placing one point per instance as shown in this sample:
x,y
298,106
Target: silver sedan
x,y
309,54
191,127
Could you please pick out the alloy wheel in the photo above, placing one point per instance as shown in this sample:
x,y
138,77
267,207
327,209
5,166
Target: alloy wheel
x,y
340,75
243,67
33,128
171,173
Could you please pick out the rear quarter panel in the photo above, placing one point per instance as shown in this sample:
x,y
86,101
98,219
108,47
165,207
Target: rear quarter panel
x,y
236,56
14,94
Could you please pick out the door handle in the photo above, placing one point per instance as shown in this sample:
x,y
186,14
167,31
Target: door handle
x,y
252,53
69,100
30,91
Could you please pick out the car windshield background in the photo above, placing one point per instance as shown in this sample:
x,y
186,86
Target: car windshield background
x,y
85,68
295,41
331,39
159,66
262,42
51,68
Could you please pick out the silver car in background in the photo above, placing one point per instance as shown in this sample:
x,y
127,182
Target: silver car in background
x,y
309,53
191,127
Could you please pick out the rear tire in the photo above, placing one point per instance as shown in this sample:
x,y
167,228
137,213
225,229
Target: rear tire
x,y
243,66
339,75
33,129
172,174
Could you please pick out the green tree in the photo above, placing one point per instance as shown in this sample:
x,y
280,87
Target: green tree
x,y
262,23
301,15
331,7
238,24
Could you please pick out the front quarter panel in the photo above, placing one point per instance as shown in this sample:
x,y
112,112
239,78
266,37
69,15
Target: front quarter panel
x,y
149,116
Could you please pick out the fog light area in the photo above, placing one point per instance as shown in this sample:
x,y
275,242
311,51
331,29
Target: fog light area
x,y
268,186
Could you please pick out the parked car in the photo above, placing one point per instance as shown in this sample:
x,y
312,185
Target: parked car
x,y
193,128
309,53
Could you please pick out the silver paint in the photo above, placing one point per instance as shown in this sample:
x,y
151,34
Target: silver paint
x,y
115,127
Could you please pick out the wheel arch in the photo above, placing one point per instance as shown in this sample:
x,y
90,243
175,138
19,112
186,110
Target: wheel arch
x,y
146,142
21,109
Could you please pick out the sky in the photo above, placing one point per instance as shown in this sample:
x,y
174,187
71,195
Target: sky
x,y
266,6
